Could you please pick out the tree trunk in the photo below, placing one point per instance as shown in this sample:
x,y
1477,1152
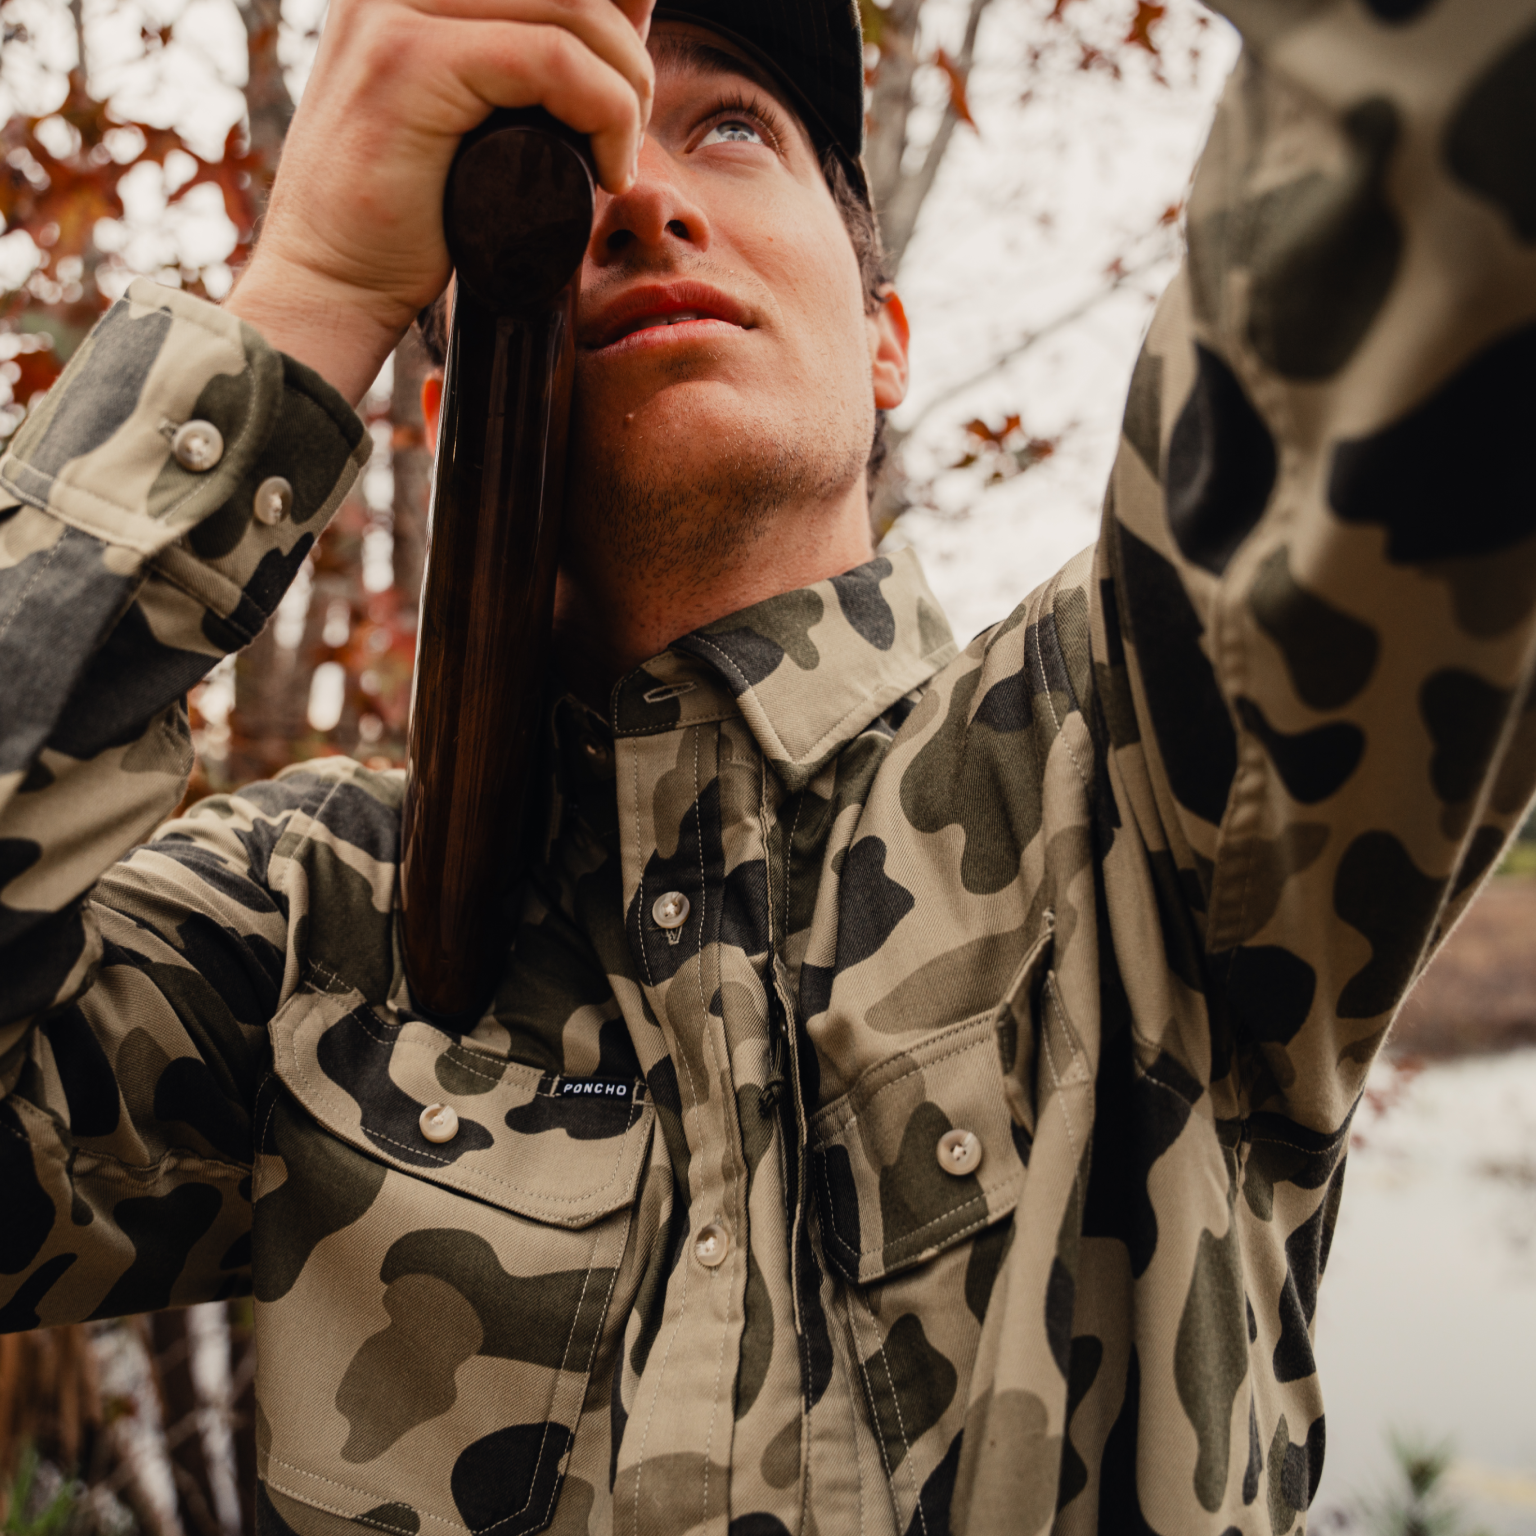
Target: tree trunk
x,y
182,1408
413,474
267,102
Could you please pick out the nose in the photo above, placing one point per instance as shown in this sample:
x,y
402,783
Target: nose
x,y
656,212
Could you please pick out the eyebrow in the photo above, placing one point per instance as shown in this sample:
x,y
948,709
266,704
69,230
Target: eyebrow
x,y
692,53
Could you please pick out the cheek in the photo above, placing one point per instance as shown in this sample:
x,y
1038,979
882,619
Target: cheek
x,y
817,274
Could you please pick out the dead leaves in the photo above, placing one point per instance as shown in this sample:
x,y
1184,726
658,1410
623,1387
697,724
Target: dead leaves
x,y
958,103
60,176
1147,16
1138,34
1005,450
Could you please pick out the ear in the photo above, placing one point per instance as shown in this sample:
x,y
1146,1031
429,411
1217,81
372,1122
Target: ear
x,y
432,406
890,338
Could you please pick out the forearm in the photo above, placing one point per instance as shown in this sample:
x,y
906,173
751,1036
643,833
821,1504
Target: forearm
x,y
1322,541
124,575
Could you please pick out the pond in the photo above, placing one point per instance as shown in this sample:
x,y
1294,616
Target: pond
x,y
1427,1316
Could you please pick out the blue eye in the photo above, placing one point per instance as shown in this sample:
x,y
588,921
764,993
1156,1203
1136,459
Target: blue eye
x,y
734,131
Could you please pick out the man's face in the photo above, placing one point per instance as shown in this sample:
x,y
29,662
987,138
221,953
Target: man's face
x,y
724,359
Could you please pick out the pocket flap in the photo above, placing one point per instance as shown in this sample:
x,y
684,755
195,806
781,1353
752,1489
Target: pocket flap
x,y
886,1199
555,1149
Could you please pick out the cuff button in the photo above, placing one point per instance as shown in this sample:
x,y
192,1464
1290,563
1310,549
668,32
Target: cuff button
x,y
274,501
198,446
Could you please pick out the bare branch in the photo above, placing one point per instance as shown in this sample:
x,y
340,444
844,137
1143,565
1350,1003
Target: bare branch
x,y
1119,279
898,219
890,101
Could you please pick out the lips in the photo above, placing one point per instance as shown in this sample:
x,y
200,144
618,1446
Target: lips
x,y
661,308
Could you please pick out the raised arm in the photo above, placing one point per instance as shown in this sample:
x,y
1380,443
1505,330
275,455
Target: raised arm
x,y
1317,582
155,509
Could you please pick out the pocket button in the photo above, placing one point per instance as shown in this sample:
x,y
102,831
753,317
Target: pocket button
x,y
959,1152
439,1122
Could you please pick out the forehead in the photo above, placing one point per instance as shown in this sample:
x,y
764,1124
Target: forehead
x,y
685,48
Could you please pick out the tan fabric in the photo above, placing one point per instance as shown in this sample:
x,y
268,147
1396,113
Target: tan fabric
x,y
1127,891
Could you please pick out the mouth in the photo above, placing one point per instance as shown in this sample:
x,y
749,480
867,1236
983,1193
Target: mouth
x,y
663,314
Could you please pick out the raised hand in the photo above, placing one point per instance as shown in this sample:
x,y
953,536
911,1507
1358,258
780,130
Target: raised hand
x,y
352,245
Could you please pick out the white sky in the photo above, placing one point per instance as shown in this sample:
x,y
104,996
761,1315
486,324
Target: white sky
x,y
1024,220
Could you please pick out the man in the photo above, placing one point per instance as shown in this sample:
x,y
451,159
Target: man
x,y
917,1094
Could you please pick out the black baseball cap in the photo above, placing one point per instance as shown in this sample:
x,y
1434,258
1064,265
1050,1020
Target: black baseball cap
x,y
814,47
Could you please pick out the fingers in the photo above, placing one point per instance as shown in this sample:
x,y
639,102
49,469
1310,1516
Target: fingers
x,y
638,14
609,30
518,65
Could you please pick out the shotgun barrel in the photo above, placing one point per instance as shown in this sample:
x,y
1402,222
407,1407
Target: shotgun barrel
x,y
518,214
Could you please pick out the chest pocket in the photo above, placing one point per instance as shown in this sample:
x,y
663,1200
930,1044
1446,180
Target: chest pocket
x,y
432,1307
920,1153
917,1171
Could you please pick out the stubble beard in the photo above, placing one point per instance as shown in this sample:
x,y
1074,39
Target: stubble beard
x,y
672,522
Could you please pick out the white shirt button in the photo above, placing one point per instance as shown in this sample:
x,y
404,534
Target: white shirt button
x,y
198,445
959,1152
711,1245
439,1122
670,910
274,501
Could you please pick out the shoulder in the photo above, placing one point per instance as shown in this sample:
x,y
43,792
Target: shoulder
x,y
1025,674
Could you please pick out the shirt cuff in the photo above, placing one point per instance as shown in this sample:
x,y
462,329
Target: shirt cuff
x,y
169,418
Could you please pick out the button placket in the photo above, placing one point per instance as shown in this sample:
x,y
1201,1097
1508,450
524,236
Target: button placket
x,y
669,912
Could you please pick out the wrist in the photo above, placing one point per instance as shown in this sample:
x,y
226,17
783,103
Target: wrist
x,y
343,332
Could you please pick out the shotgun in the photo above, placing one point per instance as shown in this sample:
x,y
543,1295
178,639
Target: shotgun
x,y
517,212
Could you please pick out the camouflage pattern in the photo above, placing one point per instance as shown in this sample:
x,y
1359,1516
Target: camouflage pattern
x,y
1128,889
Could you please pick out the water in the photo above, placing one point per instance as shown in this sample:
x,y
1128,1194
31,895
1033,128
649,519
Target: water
x,y
1427,1315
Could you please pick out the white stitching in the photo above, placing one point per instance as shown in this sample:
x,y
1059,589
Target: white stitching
x,y
677,1328
37,576
1046,691
853,1423
619,1167
1050,1061
707,1029
565,1355
834,1110
645,958
814,750
854,1301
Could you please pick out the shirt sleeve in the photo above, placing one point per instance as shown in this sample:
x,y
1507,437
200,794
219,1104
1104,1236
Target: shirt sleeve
x,y
1315,603
132,993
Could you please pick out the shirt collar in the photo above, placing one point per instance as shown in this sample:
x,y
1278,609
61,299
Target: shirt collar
x,y
807,669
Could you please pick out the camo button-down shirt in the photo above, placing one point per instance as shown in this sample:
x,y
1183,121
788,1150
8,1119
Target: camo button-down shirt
x,y
917,1096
